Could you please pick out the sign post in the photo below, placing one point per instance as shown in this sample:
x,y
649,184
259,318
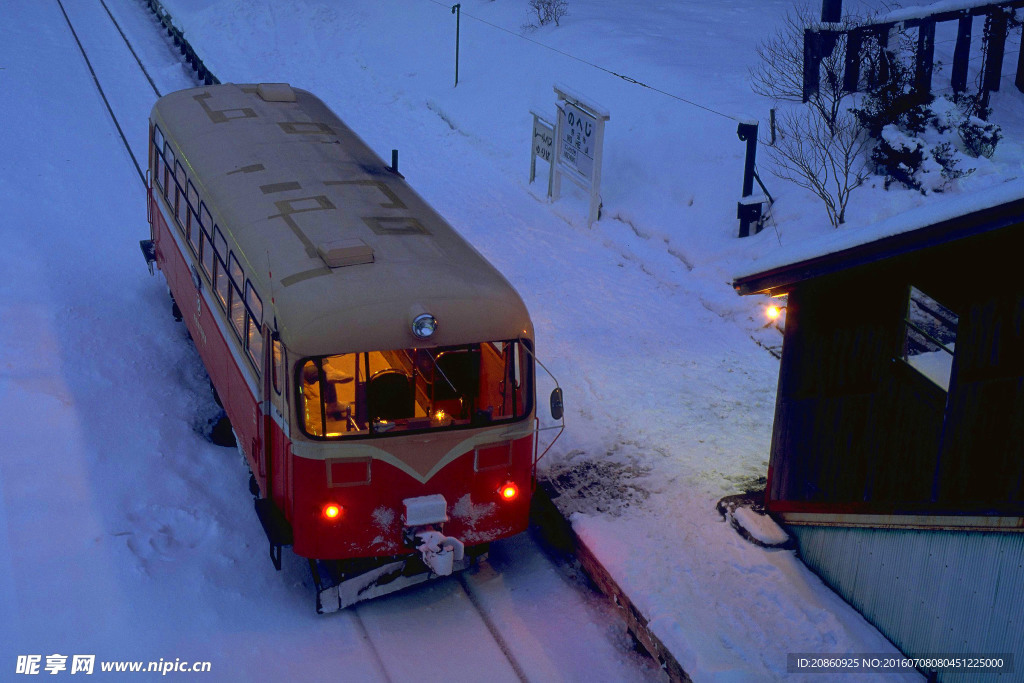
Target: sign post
x,y
543,147
579,137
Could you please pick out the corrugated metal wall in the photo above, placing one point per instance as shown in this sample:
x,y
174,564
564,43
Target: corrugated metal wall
x,y
929,592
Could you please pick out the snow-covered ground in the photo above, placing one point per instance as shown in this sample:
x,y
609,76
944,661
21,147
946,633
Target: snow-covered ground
x,y
124,534
117,524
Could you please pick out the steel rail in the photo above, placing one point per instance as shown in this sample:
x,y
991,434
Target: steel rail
x,y
131,49
103,94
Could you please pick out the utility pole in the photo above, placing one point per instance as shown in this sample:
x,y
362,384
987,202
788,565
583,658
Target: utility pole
x,y
457,11
831,10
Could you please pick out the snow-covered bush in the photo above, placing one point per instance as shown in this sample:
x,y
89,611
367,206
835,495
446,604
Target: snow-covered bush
x,y
912,129
898,156
895,101
949,159
979,137
927,162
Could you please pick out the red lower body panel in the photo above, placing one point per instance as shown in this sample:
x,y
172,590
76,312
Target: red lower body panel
x,y
371,520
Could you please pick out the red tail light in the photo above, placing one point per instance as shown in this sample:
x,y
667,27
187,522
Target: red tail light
x,y
508,491
331,512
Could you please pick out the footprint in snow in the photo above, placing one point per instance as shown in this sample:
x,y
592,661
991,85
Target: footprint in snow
x,y
166,533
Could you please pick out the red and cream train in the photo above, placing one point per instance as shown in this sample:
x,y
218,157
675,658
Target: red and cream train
x,y
377,371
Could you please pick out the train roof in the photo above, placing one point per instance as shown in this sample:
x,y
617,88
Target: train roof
x,y
341,250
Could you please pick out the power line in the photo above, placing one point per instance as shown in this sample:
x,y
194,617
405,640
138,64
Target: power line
x,y
628,79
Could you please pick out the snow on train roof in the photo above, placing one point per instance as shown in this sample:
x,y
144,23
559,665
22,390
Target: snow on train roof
x,y
295,189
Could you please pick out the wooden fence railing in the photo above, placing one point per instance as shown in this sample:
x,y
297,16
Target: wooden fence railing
x,y
820,42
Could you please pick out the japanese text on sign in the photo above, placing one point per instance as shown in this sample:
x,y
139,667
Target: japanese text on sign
x,y
577,143
543,139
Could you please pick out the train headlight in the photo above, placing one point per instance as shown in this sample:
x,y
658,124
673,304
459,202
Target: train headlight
x,y
331,512
424,325
508,491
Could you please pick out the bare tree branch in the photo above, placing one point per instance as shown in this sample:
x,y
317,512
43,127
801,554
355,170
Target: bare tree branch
x,y
826,160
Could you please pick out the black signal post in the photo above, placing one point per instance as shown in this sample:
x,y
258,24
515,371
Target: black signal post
x,y
457,11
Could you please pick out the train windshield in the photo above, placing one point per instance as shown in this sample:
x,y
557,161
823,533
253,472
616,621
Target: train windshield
x,y
390,392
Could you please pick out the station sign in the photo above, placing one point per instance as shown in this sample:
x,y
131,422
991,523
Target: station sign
x,y
543,146
579,136
576,146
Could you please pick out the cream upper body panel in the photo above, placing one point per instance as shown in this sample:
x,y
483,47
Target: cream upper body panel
x,y
296,192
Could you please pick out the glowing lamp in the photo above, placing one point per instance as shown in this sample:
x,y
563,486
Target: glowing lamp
x,y
773,312
508,491
331,512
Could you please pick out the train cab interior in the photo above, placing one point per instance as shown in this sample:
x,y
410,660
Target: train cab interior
x,y
380,392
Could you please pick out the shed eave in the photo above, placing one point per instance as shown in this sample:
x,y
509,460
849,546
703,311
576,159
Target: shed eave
x,y
782,279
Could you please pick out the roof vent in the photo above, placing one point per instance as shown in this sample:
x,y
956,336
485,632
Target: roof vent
x,y
345,253
276,92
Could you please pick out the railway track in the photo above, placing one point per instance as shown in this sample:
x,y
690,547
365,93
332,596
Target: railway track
x,y
519,615
97,33
460,626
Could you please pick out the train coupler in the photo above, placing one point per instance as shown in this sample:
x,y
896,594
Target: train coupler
x,y
440,552
424,523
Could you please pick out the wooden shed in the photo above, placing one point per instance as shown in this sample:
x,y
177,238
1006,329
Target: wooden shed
x,y
897,457
901,390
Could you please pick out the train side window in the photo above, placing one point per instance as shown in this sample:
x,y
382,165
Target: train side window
x,y
194,240
168,183
520,378
207,252
158,160
278,368
503,390
254,344
204,217
158,170
180,203
254,302
220,244
193,197
220,248
236,307
311,402
179,189
327,395
254,319
158,138
222,284
237,276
